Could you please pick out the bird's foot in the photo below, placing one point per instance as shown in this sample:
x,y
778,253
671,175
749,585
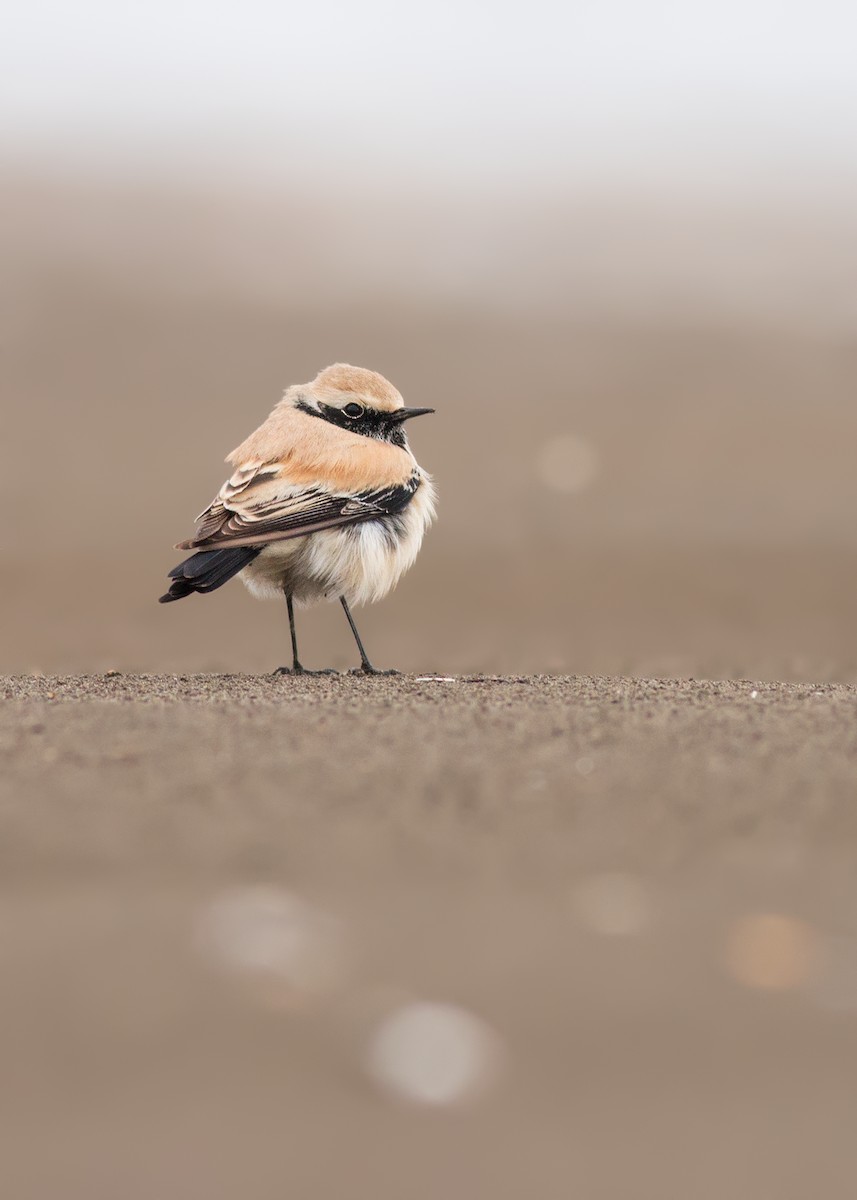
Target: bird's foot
x,y
297,669
366,668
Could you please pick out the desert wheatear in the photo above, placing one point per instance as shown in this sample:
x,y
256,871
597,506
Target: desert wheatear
x,y
326,501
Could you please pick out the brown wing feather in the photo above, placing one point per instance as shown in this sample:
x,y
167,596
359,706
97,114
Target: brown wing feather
x,y
257,505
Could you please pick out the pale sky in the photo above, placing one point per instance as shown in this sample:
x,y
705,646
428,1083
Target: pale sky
x,y
451,85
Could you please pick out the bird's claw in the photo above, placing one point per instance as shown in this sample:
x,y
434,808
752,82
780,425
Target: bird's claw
x,y
299,670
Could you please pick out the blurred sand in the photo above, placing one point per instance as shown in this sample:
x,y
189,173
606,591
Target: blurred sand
x,y
585,864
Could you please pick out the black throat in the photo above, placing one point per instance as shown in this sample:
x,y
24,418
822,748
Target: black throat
x,y
381,426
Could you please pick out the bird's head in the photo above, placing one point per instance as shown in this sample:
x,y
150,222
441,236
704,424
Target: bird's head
x,y
361,401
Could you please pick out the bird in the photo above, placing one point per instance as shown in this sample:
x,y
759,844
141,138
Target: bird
x,y
326,501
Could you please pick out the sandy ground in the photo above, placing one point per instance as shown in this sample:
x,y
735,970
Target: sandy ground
x,y
218,892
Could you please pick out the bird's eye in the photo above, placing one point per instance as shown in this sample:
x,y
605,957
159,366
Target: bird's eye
x,y
354,411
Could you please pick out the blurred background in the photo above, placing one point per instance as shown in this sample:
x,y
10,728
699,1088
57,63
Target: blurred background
x,y
510,938
613,244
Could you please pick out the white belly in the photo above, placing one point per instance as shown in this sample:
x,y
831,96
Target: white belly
x,y
361,562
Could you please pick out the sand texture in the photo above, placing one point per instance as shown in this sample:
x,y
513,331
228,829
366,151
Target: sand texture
x,y
218,889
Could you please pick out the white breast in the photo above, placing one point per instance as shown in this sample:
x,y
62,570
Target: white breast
x,y
361,562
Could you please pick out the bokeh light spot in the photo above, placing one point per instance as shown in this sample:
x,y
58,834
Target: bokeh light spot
x,y
770,951
433,1054
273,936
567,463
616,905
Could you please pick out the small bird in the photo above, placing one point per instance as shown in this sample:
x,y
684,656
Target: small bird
x,y
326,501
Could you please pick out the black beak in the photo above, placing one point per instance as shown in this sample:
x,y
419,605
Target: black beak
x,y
404,414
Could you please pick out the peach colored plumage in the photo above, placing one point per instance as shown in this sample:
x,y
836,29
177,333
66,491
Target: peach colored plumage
x,y
325,500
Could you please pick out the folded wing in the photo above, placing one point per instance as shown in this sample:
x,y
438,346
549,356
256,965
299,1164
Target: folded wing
x,y
258,505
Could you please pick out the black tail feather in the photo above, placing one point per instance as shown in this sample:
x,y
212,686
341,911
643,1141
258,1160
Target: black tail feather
x,y
207,571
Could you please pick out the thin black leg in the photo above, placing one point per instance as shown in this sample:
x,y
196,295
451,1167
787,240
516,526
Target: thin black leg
x,y
365,667
290,606
296,668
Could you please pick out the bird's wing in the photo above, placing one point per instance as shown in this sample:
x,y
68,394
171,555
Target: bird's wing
x,y
258,505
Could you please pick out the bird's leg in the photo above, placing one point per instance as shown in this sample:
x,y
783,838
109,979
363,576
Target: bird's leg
x,y
296,668
365,667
